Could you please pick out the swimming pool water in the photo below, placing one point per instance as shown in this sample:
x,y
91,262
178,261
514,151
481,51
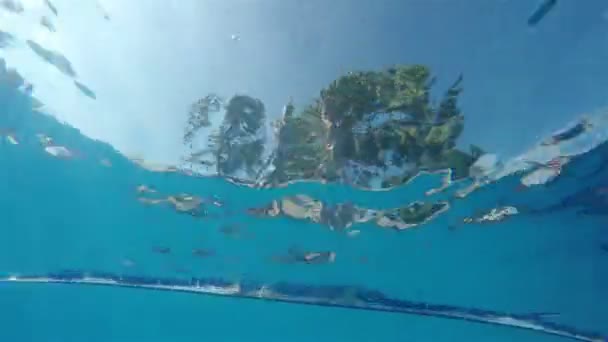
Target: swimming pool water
x,y
80,214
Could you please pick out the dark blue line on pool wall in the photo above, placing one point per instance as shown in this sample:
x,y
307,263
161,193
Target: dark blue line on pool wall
x,y
545,7
347,297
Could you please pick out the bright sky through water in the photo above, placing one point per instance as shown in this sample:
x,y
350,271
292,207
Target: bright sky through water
x,y
153,58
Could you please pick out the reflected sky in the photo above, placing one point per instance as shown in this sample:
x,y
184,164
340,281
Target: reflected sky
x,y
145,62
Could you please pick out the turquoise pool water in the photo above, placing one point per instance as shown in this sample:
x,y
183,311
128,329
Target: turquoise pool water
x,y
79,214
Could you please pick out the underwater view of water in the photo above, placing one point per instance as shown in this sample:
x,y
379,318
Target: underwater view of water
x,y
100,242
